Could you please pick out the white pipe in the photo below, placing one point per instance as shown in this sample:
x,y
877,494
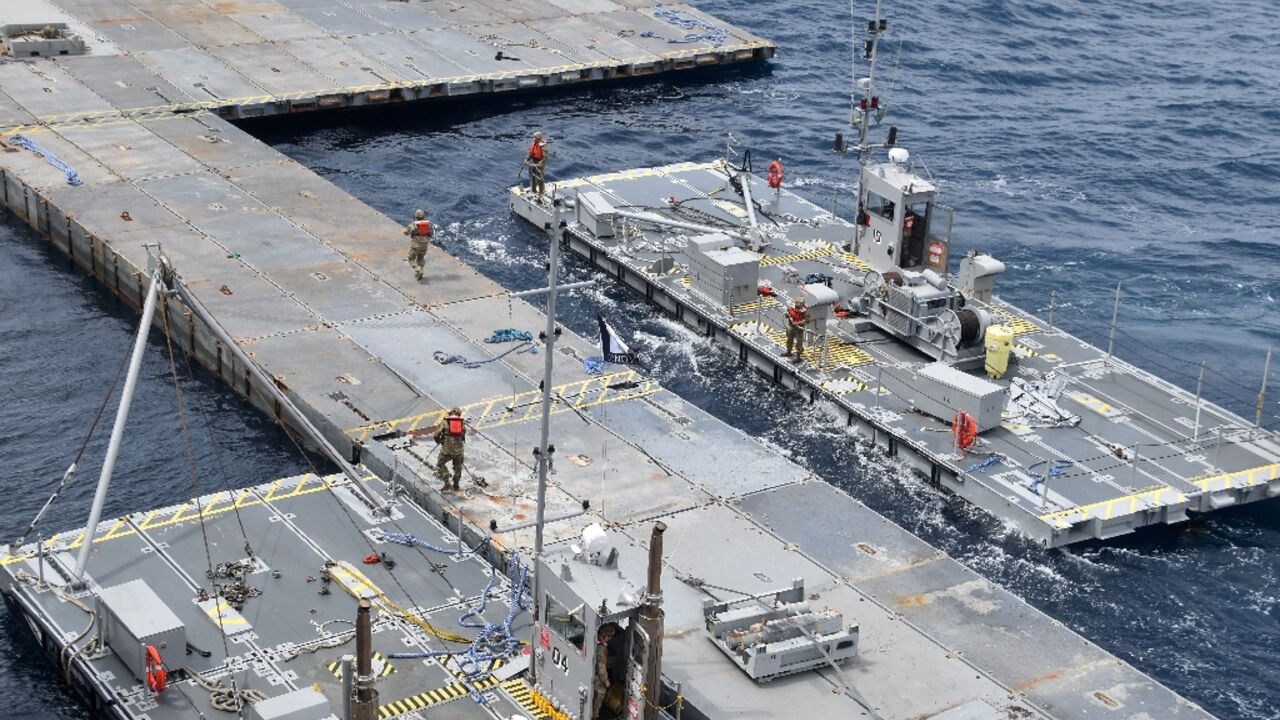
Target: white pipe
x,y
659,220
544,291
117,430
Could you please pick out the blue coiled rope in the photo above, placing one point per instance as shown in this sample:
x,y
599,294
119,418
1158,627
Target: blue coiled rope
x,y
1054,471
493,641
984,464
699,30
445,358
509,335
25,142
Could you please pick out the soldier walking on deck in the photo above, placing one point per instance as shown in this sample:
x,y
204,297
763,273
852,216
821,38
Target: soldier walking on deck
x,y
451,435
537,162
797,319
418,231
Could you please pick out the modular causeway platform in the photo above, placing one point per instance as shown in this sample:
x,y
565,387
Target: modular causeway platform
x,y
1096,449
280,275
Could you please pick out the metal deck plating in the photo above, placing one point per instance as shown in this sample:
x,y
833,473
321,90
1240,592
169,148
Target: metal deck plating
x,y
1136,458
308,284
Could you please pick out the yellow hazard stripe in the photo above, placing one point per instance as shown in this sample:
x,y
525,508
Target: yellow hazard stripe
x,y
1239,479
181,515
501,410
1152,497
797,257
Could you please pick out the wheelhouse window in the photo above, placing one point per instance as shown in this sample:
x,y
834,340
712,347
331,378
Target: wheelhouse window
x,y
879,206
567,623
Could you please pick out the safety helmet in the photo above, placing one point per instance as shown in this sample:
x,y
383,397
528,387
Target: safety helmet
x,y
456,411
537,135
798,301
420,214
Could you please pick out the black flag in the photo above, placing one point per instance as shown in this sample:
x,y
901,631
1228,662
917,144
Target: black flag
x,y
612,346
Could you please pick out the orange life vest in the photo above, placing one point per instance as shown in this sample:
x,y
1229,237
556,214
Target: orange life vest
x,y
454,426
535,151
422,227
796,315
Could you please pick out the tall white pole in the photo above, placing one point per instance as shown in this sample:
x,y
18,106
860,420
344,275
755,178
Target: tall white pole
x,y
1115,315
117,431
1262,394
544,448
1195,434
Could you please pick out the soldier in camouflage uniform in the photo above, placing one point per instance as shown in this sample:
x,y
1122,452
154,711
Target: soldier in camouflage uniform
x,y
600,682
418,231
451,435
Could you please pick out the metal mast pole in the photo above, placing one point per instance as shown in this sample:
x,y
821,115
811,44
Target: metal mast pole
x,y
117,430
1195,434
864,107
1115,315
1262,394
544,448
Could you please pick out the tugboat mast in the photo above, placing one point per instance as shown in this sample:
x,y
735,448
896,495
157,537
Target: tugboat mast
x,y
869,104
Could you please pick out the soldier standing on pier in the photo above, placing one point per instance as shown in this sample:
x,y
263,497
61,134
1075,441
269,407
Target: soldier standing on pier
x,y
451,435
418,231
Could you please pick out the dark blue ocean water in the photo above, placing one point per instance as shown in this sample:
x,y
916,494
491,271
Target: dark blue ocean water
x,y
1082,144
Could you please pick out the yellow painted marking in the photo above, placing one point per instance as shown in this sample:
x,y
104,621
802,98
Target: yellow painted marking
x,y
387,668
1018,325
427,699
501,410
730,208
684,281
854,260
765,301
1023,351
1155,496
533,704
797,257
839,354
1239,479
222,614
353,581
157,519
1091,402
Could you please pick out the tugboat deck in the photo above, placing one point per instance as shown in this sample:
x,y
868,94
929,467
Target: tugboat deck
x,y
1100,488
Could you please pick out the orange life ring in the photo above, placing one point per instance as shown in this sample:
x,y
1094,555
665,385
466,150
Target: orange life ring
x,y
965,429
775,175
157,677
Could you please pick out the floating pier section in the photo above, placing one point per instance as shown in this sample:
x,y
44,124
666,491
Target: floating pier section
x,y
129,145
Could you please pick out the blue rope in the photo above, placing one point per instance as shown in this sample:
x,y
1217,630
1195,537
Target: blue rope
x,y
493,641
593,365
716,36
984,464
510,335
445,358
1054,471
24,142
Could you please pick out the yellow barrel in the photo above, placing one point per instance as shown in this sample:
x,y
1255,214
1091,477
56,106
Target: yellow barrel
x,y
998,342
